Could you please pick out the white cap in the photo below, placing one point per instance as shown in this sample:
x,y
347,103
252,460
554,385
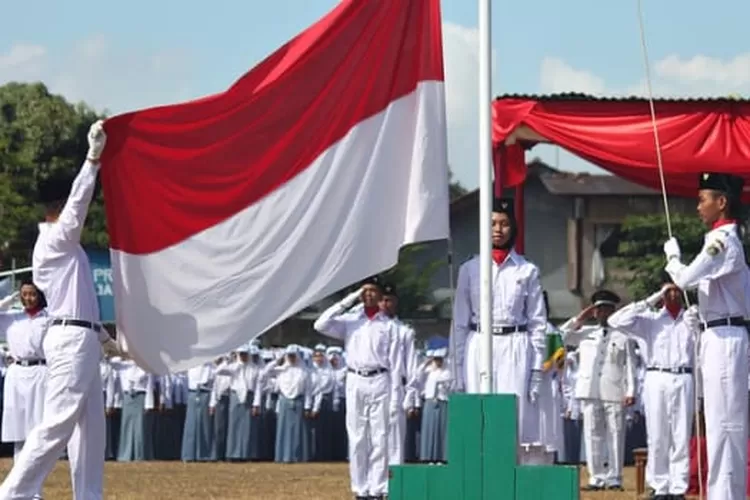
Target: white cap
x,y
440,353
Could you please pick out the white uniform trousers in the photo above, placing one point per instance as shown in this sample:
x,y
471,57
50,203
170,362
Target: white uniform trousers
x,y
604,441
367,425
668,401
725,371
396,437
73,415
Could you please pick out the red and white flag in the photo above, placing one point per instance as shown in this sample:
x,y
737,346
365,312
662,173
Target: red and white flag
x,y
231,213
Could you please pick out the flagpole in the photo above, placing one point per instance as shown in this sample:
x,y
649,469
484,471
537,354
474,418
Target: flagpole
x,y
486,195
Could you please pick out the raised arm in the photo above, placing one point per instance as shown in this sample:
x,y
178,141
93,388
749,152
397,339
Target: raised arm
x,y
73,215
718,257
573,330
329,323
635,319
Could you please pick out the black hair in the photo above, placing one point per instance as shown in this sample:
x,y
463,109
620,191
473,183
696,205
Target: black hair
x,y
42,298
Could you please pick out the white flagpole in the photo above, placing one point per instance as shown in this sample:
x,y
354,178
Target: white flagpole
x,y
486,196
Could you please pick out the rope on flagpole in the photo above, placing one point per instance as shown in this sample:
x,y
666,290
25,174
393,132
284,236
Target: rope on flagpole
x,y
657,143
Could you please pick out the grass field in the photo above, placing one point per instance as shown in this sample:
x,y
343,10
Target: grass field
x,y
225,481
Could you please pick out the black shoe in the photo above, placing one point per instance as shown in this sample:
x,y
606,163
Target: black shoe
x,y
592,487
661,497
675,497
615,487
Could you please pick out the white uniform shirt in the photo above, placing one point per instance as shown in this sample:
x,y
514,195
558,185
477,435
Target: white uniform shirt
x,y
324,383
436,382
720,274
135,380
517,300
370,343
201,378
606,362
244,378
24,334
669,341
61,268
292,381
222,384
110,383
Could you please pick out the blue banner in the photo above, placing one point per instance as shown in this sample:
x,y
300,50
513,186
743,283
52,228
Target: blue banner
x,y
102,270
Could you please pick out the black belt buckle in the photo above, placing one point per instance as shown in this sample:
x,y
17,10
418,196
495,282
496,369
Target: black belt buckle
x,y
679,370
508,330
501,330
368,373
79,323
31,362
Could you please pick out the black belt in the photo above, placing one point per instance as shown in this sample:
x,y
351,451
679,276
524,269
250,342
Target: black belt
x,y
30,362
501,330
78,322
367,373
733,321
680,370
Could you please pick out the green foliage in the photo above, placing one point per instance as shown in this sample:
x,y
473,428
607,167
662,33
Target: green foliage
x,y
40,134
412,281
641,248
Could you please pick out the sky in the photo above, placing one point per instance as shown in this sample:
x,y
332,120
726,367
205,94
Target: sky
x,y
136,54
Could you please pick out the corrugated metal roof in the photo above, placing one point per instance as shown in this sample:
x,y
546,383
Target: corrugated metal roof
x,y
593,185
577,96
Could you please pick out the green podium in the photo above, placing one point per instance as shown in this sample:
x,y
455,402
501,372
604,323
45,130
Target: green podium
x,y
482,460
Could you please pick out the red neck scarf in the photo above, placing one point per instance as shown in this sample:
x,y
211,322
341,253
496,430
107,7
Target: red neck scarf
x,y
33,311
673,309
499,255
723,222
370,312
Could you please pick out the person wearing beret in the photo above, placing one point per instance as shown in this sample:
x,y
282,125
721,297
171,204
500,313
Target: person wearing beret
x,y
720,274
397,434
373,384
397,438
668,386
519,330
605,385
74,413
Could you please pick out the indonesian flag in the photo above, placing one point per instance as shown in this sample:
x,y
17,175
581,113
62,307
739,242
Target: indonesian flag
x,y
231,213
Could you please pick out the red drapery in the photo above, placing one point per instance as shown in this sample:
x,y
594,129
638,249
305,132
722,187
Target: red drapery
x,y
695,136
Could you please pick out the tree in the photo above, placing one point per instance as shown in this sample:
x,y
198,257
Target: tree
x,y
641,249
413,279
40,134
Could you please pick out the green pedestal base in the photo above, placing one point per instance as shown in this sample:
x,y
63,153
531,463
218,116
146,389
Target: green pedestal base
x,y
482,458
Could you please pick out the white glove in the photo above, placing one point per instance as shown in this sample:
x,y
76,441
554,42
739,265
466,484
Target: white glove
x,y
656,297
351,299
672,249
336,405
97,139
8,301
692,318
535,385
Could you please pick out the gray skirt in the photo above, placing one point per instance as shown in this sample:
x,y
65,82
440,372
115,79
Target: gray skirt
x,y
242,433
292,432
434,431
136,430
